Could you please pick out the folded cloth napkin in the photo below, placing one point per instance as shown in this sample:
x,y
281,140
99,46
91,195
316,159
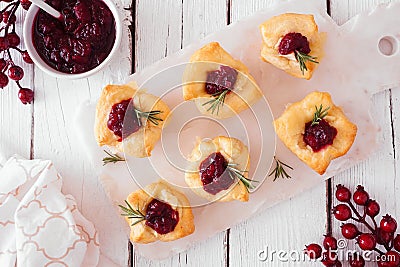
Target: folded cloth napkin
x,y
39,225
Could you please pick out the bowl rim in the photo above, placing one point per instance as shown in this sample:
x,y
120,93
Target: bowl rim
x,y
38,61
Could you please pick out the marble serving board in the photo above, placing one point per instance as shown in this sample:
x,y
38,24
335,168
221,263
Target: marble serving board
x,y
361,59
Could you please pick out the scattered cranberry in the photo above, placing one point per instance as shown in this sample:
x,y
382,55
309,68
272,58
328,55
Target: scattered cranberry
x,y
372,208
15,73
319,136
360,197
292,42
314,251
26,57
330,243
388,224
221,80
3,43
25,95
366,241
25,4
382,237
13,39
3,64
342,212
390,259
3,80
349,231
357,261
329,258
161,217
343,194
396,243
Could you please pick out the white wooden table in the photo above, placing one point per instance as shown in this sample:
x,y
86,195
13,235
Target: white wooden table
x,y
161,27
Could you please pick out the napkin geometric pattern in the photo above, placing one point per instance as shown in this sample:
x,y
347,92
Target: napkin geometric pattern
x,y
39,225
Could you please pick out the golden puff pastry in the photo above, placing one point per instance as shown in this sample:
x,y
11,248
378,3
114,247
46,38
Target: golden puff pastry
x,y
147,227
217,153
291,129
212,58
141,142
276,28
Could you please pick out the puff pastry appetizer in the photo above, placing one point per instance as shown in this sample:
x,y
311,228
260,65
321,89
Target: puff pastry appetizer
x,y
126,114
159,212
219,170
316,130
291,42
220,85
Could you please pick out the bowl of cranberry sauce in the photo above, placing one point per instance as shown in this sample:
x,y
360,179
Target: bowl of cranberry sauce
x,y
78,44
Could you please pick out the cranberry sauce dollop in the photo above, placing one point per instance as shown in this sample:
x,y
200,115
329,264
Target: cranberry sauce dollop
x,y
320,135
221,80
122,120
294,41
161,217
78,42
213,174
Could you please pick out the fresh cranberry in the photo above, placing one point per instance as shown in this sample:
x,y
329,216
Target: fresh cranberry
x,y
122,120
26,4
391,259
161,217
388,224
396,243
3,80
343,194
366,241
314,251
221,80
8,18
383,237
15,73
292,42
3,64
319,136
13,39
372,208
3,43
349,231
214,175
342,212
330,243
26,57
26,96
329,258
357,261
360,197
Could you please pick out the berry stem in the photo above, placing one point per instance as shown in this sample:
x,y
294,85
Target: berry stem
x,y
379,251
361,219
13,10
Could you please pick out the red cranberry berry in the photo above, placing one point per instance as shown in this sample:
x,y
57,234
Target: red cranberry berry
x,y
292,42
396,243
330,243
161,217
360,197
13,39
3,80
26,57
388,224
25,4
122,120
329,259
320,135
390,259
366,241
343,194
382,237
25,95
349,231
3,64
357,261
342,212
314,251
213,174
8,18
221,80
372,208
3,43
15,73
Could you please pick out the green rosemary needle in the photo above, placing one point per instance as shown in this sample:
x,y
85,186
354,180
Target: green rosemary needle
x,y
217,101
132,214
112,158
302,58
234,173
279,170
319,114
150,116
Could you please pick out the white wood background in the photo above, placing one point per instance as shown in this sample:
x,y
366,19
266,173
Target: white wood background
x,y
161,27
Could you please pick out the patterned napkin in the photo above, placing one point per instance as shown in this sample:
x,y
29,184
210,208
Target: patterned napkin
x,y
39,225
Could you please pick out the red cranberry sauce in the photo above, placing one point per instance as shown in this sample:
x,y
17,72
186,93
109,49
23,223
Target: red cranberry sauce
x,y
294,41
80,41
320,135
213,174
122,120
161,217
221,80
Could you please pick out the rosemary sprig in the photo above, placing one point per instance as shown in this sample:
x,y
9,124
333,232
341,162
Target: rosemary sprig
x,y
217,101
131,213
150,116
279,170
319,114
302,58
112,158
234,173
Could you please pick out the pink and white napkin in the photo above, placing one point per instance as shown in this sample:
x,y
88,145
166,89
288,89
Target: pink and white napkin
x,y
39,225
